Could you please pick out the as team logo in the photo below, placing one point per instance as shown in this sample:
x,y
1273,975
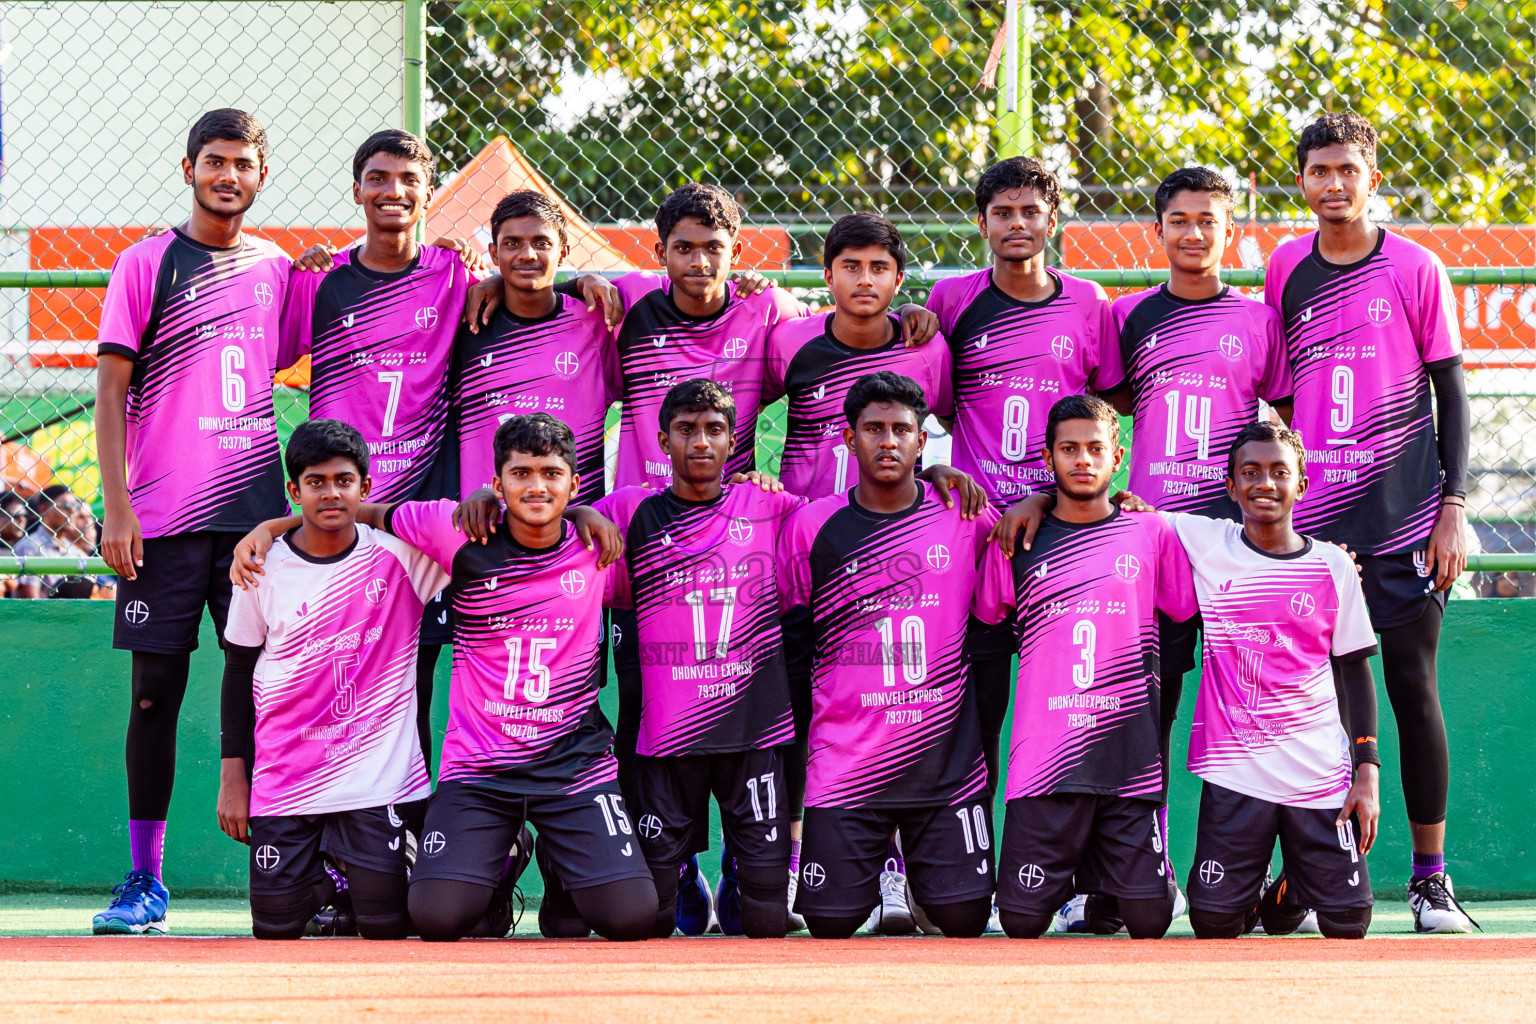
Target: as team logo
x,y
650,826
426,318
433,843
740,530
1031,876
264,294
1061,347
1303,605
1212,873
1231,346
813,875
566,365
735,348
136,613
937,558
1379,311
1127,567
267,858
573,583
375,590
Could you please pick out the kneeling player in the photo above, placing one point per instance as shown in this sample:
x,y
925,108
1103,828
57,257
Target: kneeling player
x,y
887,573
1269,736
1085,773
323,659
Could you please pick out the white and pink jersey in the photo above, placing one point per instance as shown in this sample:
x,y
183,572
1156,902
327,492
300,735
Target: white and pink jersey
x,y
527,635
201,325
702,577
660,347
1197,369
893,716
1086,595
564,364
1361,339
809,366
1012,361
335,685
1267,721
379,347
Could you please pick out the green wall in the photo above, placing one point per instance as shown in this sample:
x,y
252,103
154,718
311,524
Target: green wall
x,y
62,816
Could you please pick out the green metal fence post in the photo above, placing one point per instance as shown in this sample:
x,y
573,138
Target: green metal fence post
x,y
1015,95
415,77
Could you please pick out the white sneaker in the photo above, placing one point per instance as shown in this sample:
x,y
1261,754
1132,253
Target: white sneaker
x,y
1180,904
796,922
1435,907
1309,925
892,916
1072,917
994,923
920,916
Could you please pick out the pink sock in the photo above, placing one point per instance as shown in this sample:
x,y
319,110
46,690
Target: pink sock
x,y
794,856
893,855
146,841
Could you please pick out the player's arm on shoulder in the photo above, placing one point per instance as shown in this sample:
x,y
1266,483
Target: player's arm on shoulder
x,y
317,259
919,325
251,552
946,479
481,301
237,729
594,527
477,515
1023,516
471,255
757,478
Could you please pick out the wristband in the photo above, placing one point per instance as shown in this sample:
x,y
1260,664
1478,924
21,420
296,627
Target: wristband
x,y
1365,751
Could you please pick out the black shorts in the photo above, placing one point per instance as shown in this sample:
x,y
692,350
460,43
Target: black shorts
x,y
989,641
285,851
470,829
799,646
161,611
1056,845
1397,588
437,621
749,787
1236,840
948,851
1176,644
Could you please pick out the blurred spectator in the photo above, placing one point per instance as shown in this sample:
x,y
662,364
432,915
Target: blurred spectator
x,y
66,528
14,521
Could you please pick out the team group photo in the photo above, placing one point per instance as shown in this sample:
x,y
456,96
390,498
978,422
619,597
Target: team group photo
x,y
1042,553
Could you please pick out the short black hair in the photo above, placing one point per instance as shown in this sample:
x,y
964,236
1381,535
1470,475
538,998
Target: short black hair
x,y
860,230
317,441
1013,174
710,205
227,125
1346,129
697,395
10,499
884,386
525,202
1081,407
537,433
396,143
1264,430
1194,179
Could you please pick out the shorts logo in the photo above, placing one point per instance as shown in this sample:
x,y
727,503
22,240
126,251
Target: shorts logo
x,y
1303,605
938,558
1061,347
629,850
1212,873
264,294
394,844
267,858
394,819
1127,567
375,590
566,364
136,612
1354,879
813,875
773,834
618,635
572,582
433,843
1421,563
1031,876
1231,346
1379,311
349,320
735,348
740,530
426,318
650,826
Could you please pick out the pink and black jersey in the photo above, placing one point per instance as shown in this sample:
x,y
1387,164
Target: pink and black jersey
x,y
1086,597
527,633
659,347
1197,369
379,347
1012,361
563,364
1361,339
702,578
201,326
335,685
1267,721
809,366
893,717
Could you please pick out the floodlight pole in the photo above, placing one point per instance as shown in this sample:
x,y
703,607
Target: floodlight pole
x,y
414,86
1015,100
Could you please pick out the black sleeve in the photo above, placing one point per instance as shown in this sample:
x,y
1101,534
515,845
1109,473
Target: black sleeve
x,y
1453,424
237,703
569,287
1357,707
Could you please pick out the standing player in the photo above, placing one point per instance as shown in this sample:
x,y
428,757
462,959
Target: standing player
x,y
188,447
887,572
714,713
1085,773
1198,359
320,659
1021,336
1269,736
1370,322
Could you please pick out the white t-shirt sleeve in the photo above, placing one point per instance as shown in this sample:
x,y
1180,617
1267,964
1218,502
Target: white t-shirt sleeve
x,y
428,578
247,625
1352,632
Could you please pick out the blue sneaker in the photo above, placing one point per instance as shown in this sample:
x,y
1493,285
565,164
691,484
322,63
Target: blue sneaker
x,y
138,907
728,897
695,903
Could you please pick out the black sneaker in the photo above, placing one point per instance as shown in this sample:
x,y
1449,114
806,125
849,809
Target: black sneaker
x,y
507,904
336,919
1436,910
1278,908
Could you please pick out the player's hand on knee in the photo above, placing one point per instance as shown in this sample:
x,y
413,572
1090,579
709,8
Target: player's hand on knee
x,y
918,325
595,290
234,806
1364,802
946,479
477,515
316,259
757,478
470,254
482,300
1447,550
592,525
1023,518
122,543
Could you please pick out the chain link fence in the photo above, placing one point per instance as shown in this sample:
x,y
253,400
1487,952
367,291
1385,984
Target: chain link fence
x,y
805,110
